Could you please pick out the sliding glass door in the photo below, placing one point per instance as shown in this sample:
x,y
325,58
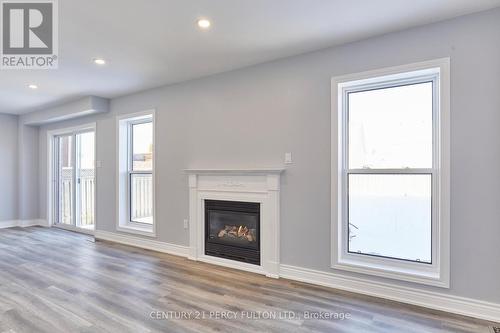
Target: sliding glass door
x,y
74,175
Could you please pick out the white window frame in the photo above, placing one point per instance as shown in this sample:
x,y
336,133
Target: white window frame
x,y
124,170
438,272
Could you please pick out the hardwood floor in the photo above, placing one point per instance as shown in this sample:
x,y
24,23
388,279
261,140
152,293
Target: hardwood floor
x,y
57,281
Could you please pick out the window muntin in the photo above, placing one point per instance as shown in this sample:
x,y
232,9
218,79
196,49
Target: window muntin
x,y
140,175
389,169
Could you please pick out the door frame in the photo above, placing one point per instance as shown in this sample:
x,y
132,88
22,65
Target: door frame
x,y
51,180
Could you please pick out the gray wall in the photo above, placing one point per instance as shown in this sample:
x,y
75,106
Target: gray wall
x,y
251,117
8,168
28,199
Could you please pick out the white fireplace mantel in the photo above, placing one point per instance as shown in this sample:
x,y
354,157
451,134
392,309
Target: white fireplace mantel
x,y
247,185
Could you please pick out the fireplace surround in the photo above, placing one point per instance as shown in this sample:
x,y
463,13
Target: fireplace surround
x,y
247,189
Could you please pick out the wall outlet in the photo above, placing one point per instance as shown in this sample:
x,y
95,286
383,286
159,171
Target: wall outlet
x,y
288,158
99,164
186,224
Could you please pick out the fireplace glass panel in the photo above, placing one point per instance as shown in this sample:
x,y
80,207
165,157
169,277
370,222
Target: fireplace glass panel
x,y
233,228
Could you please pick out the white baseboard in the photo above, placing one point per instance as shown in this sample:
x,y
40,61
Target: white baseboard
x,y
74,229
22,223
148,244
428,299
31,223
9,224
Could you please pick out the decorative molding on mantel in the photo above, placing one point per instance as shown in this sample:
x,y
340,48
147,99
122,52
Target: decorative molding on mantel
x,y
247,185
256,171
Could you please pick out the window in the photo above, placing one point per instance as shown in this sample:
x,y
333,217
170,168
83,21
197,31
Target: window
x,y
392,175
136,173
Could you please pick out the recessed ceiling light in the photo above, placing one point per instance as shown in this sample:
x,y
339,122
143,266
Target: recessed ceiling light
x,y
99,61
32,86
204,23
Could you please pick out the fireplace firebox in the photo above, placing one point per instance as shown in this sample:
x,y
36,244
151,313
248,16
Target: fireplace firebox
x,y
232,230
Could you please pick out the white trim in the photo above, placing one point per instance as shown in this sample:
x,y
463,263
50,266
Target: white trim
x,y
73,129
122,210
132,229
22,223
74,229
33,223
148,244
9,224
394,70
50,168
438,273
235,265
428,299
136,115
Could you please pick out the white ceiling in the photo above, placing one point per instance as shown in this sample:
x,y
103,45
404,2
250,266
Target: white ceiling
x,y
150,43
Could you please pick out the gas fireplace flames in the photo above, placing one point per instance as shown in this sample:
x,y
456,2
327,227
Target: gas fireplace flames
x,y
240,232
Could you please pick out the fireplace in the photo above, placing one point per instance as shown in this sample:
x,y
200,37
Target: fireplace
x,y
232,230
217,195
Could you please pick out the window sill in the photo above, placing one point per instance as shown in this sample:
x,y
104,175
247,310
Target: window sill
x,y
137,229
393,269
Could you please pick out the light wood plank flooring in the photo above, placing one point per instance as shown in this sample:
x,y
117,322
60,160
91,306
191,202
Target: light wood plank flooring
x,y
57,281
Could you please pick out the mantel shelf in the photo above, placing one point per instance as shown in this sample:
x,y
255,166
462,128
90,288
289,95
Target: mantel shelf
x,y
267,171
